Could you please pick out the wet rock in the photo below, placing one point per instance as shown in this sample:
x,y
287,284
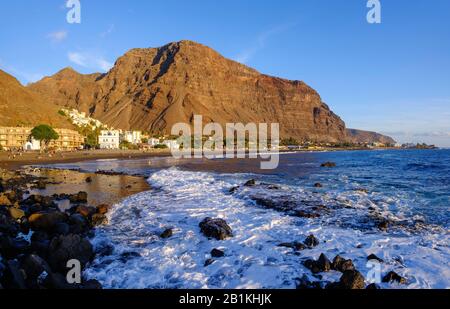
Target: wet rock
x,y
12,247
318,185
86,211
250,183
373,286
215,228
312,266
78,224
80,197
297,246
341,264
304,283
46,221
88,179
16,213
374,257
4,200
41,185
8,226
209,262
328,164
383,225
58,281
14,276
273,187
167,233
64,248
61,228
14,195
99,219
34,266
233,189
311,241
91,284
352,279
393,276
40,243
324,263
217,253
305,214
103,209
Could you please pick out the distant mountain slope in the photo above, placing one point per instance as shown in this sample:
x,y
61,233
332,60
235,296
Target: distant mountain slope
x,y
20,106
151,89
360,136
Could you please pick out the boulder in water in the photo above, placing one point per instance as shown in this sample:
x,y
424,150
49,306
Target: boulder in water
x,y
311,241
328,164
215,228
352,279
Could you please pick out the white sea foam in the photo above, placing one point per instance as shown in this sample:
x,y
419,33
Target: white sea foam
x,y
181,199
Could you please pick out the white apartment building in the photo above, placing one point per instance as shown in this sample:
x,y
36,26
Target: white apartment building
x,y
133,137
109,139
152,142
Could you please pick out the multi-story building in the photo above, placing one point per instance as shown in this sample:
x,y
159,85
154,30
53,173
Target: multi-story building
x,y
133,137
68,140
19,138
109,139
152,142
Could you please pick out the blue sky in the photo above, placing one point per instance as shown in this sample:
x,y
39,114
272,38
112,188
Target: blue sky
x,y
392,77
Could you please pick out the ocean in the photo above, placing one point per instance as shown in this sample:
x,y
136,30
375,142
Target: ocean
x,y
409,189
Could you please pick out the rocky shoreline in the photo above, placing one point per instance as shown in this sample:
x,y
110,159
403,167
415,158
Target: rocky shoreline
x,y
38,238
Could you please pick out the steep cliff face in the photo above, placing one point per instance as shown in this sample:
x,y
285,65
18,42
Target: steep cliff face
x,y
21,107
360,136
151,89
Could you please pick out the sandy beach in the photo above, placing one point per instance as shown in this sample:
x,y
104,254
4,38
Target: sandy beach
x,y
12,161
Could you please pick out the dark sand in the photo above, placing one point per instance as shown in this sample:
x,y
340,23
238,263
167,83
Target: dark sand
x,y
30,158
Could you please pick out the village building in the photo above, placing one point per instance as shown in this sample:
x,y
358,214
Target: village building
x,y
19,138
133,137
152,142
109,139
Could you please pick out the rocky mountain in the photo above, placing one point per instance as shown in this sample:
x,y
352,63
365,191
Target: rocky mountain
x,y
360,136
152,89
20,106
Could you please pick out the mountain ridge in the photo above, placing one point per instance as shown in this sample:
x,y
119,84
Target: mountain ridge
x,y
21,107
151,89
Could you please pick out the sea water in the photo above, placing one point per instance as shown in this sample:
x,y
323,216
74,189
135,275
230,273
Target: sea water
x,y
410,188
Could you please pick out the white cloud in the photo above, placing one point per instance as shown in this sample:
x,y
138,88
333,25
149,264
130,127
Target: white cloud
x,y
260,42
90,61
58,36
104,64
108,31
77,58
